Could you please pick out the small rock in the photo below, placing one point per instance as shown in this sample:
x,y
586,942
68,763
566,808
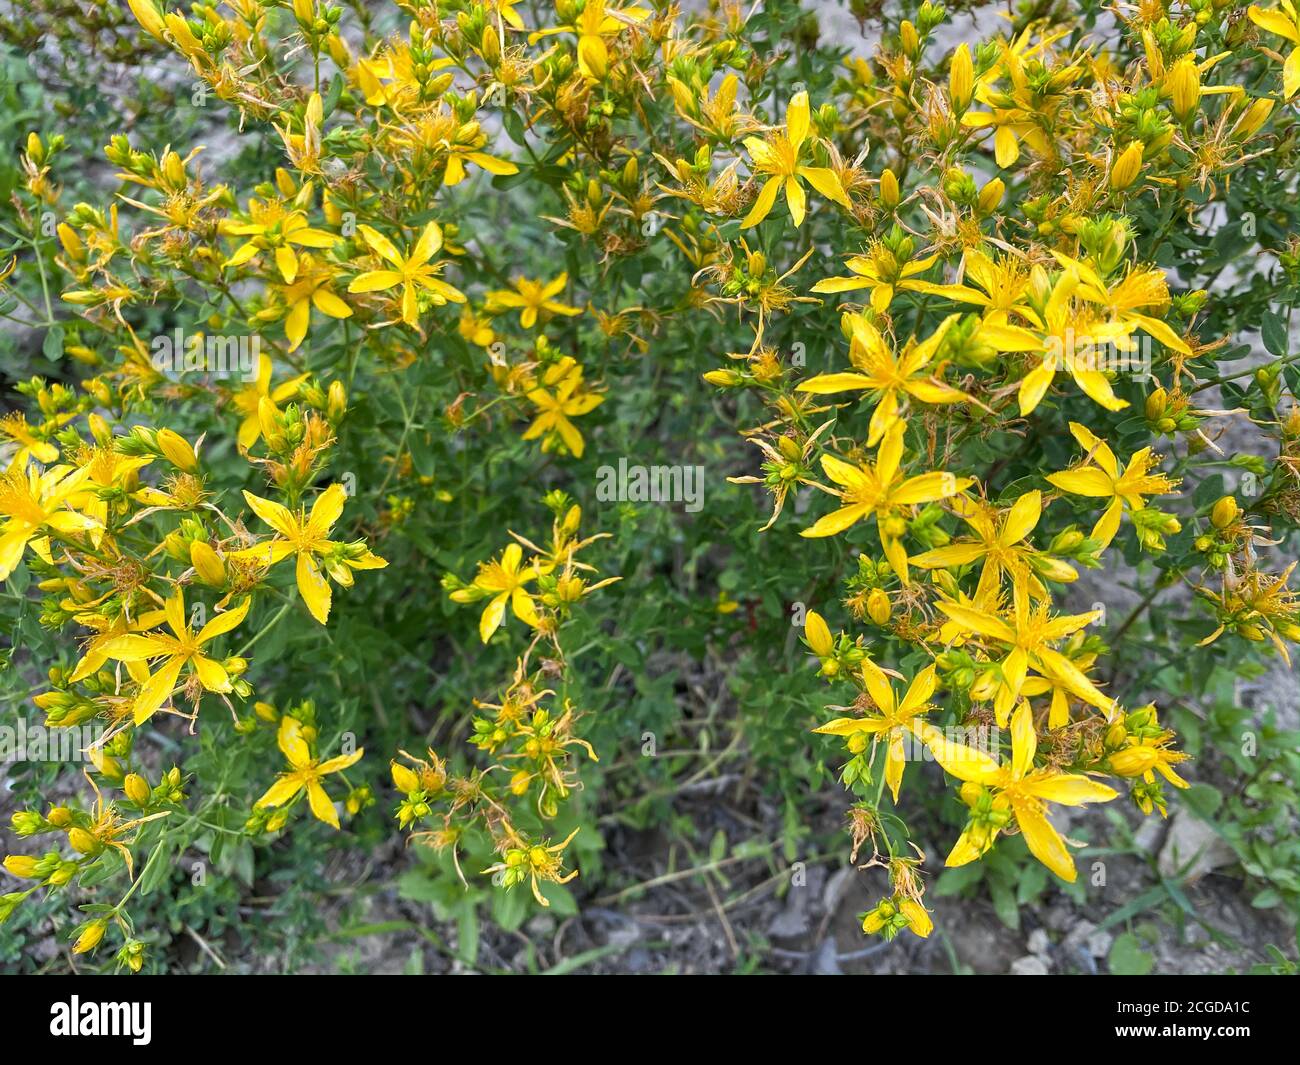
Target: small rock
x,y
1099,944
1192,840
1078,935
541,925
793,920
1059,916
1029,966
1040,943
1148,835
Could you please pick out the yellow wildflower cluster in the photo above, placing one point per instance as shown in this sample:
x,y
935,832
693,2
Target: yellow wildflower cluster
x,y
978,221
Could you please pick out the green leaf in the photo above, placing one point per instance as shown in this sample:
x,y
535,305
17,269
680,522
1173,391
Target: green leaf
x,y
52,346
1274,333
1127,958
955,881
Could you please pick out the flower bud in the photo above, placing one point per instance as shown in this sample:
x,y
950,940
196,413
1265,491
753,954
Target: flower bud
x,y
90,936
177,451
961,78
136,788
1225,512
991,196
405,780
889,194
879,607
210,569
84,842
1127,166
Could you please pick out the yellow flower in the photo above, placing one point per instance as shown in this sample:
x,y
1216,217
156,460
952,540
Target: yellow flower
x,y
1101,477
1126,301
893,722
33,503
532,298
305,773
248,399
272,228
557,407
998,285
1284,21
91,936
110,478
880,490
1074,337
1028,633
999,540
106,631
594,23
885,375
504,581
15,427
778,157
997,793
148,15
310,289
183,647
307,536
882,272
412,272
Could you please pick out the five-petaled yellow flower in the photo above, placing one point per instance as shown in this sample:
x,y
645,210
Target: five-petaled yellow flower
x,y
532,299
272,228
1101,477
1000,540
503,579
893,722
559,398
305,773
779,159
998,792
37,503
413,272
1028,634
885,375
307,536
881,490
184,647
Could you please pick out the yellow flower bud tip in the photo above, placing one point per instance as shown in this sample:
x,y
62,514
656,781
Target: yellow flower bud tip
x,y
1224,512
83,842
990,196
148,15
136,788
405,780
879,606
818,635
209,567
961,78
889,191
1127,166
177,451
91,936
21,866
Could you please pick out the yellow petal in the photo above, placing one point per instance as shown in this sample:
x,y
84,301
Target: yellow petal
x,y
313,587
